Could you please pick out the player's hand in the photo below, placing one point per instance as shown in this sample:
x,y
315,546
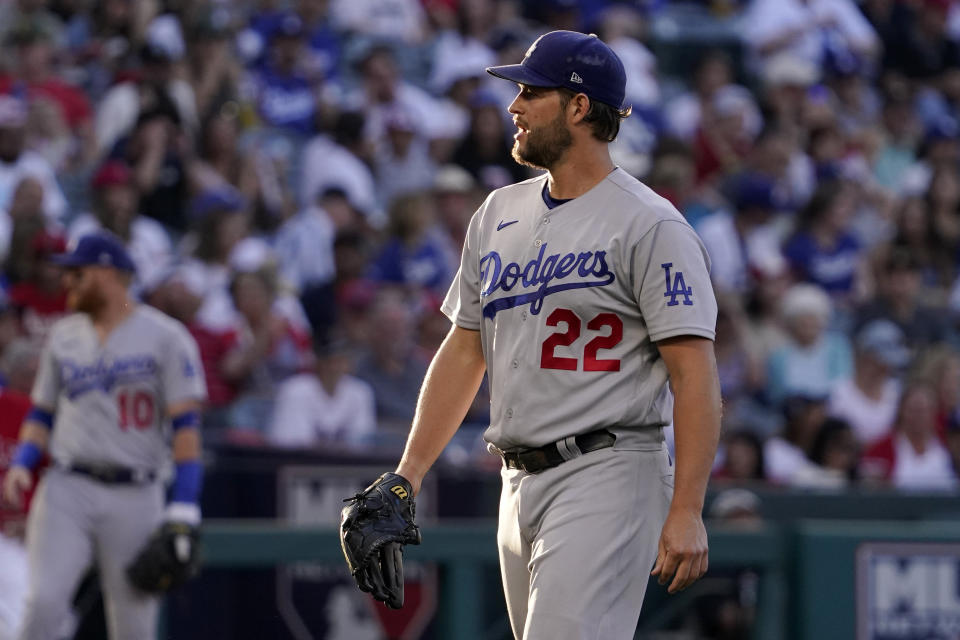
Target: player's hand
x,y
16,483
682,551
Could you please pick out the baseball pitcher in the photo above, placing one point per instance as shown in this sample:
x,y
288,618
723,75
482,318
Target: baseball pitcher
x,y
586,299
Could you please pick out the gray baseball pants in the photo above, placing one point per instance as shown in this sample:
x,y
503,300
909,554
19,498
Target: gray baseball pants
x,y
75,521
577,542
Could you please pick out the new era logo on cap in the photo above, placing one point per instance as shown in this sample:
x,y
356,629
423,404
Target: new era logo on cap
x,y
574,77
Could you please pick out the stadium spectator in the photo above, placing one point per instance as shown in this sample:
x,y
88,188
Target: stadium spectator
x,y
742,241
729,124
39,294
868,400
786,458
742,458
157,151
327,406
115,201
814,358
455,198
270,349
823,251
919,46
942,366
807,31
384,93
305,252
403,162
836,452
341,160
284,97
154,87
388,363
61,112
324,49
417,253
219,224
224,161
399,21
917,235
484,150
900,299
179,293
18,162
683,113
912,457
213,69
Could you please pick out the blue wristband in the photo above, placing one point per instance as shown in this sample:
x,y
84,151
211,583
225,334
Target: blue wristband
x,y
28,455
186,420
42,416
188,482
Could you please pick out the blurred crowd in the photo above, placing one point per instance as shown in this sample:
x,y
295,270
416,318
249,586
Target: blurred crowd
x,y
294,179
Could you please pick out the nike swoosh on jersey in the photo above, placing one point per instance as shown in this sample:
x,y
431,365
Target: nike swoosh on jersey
x,y
506,224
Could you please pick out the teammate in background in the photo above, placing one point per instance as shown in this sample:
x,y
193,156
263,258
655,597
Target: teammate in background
x,y
587,300
114,380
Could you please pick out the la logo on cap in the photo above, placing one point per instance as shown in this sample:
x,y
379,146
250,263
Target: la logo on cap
x,y
574,77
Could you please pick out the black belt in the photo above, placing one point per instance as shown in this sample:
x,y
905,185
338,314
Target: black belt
x,y
111,474
550,455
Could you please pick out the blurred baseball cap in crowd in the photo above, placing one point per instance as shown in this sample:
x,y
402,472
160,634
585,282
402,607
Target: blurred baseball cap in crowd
x,y
790,70
100,248
47,243
13,112
469,63
943,128
110,174
577,61
885,341
165,37
223,198
452,178
755,191
289,26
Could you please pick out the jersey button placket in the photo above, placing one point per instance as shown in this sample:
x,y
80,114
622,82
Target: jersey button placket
x,y
537,242
509,414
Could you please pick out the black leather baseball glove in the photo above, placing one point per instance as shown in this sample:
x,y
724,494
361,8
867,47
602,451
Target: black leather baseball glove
x,y
168,559
373,529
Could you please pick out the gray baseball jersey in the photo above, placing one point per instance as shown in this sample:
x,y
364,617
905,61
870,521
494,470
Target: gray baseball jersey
x,y
569,302
111,399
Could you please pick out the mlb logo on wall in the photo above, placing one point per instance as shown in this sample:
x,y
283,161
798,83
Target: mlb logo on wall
x,y
908,591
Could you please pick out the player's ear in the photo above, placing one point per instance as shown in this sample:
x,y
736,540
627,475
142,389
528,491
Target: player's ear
x,y
578,107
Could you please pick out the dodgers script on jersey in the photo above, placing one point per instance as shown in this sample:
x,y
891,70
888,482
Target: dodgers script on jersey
x,y
560,295
111,399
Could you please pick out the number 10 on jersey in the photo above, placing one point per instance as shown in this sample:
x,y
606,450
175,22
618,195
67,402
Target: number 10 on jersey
x,y
549,360
134,409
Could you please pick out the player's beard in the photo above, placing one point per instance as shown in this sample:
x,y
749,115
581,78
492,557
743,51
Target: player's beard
x,y
545,145
87,300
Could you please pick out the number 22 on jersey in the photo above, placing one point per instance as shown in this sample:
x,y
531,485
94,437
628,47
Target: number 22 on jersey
x,y
135,409
573,323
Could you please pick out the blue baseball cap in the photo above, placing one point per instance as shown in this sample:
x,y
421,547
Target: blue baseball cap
x,y
99,248
573,60
216,199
